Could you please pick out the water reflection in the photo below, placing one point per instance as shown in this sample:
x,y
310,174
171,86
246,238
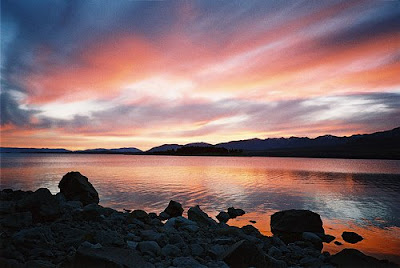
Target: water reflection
x,y
358,195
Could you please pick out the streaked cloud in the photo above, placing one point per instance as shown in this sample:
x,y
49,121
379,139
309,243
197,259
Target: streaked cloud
x,y
132,73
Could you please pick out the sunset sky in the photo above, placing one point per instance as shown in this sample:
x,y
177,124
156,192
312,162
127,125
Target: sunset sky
x,y
89,74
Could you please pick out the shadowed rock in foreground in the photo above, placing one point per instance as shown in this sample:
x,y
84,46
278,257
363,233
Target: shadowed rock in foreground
x,y
70,229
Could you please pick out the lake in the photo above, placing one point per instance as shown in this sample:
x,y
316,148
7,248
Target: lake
x,y
349,194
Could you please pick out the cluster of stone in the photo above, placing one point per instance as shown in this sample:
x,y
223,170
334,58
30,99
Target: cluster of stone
x,y
70,229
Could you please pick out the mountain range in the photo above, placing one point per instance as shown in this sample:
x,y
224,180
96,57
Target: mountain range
x,y
384,144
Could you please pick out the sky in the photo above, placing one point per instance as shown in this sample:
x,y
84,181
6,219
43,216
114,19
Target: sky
x,y
121,73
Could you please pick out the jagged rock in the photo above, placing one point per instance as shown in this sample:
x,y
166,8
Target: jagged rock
x,y
290,224
42,204
109,257
17,220
235,212
76,187
197,215
174,209
351,237
223,217
353,258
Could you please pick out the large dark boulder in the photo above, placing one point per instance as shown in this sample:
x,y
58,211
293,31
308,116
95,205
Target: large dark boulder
x,y
351,237
290,224
76,187
350,258
174,209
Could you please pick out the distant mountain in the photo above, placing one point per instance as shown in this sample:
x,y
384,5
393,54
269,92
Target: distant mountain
x,y
198,144
47,150
31,150
118,150
384,144
271,144
164,148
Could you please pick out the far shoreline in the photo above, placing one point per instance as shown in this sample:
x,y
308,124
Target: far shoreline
x,y
250,154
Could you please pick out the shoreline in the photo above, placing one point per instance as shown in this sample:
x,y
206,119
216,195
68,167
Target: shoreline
x,y
70,229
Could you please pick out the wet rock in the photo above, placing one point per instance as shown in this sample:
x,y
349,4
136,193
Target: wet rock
x,y
17,220
235,212
197,215
354,258
351,237
174,209
327,238
223,216
109,257
149,247
171,250
290,224
76,187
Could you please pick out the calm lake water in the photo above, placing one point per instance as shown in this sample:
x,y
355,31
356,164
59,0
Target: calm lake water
x,y
357,195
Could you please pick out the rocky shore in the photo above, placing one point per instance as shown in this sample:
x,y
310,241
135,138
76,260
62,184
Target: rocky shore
x,y
70,229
